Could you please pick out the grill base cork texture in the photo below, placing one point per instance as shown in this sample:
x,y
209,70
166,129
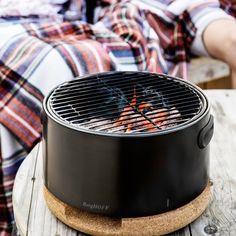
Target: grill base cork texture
x,y
126,153
161,224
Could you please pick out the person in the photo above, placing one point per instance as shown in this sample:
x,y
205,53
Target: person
x,y
39,52
223,46
205,19
212,23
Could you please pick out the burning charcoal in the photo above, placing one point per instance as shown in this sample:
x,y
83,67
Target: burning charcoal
x,y
96,124
128,120
142,124
131,121
164,117
173,118
135,116
154,114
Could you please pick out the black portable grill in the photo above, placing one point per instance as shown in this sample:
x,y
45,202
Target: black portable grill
x,y
126,143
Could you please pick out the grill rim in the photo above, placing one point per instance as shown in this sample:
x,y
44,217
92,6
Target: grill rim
x,y
204,111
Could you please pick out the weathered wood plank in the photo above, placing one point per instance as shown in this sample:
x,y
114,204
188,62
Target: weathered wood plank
x,y
41,221
22,192
220,216
205,69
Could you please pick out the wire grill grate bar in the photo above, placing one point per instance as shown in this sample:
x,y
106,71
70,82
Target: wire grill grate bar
x,y
100,114
124,84
113,124
85,108
100,97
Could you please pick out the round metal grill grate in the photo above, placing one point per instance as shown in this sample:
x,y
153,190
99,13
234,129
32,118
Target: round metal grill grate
x,y
126,102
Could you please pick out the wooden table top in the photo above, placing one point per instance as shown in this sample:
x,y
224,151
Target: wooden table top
x,y
33,218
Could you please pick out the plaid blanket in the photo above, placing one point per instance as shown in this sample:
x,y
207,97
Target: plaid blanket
x,y
35,57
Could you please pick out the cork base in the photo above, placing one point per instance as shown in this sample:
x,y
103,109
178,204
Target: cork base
x,y
150,225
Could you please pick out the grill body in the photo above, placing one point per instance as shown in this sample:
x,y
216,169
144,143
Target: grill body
x,y
126,175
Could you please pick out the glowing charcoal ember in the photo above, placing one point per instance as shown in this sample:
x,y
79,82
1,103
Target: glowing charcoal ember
x,y
137,117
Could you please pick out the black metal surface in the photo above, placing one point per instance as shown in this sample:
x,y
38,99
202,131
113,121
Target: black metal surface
x,y
123,174
98,103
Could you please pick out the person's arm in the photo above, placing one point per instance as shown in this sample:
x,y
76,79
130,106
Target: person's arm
x,y
219,38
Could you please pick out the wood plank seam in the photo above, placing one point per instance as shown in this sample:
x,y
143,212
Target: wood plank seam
x,y
32,189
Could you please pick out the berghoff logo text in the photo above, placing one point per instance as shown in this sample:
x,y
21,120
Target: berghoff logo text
x,y
96,206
